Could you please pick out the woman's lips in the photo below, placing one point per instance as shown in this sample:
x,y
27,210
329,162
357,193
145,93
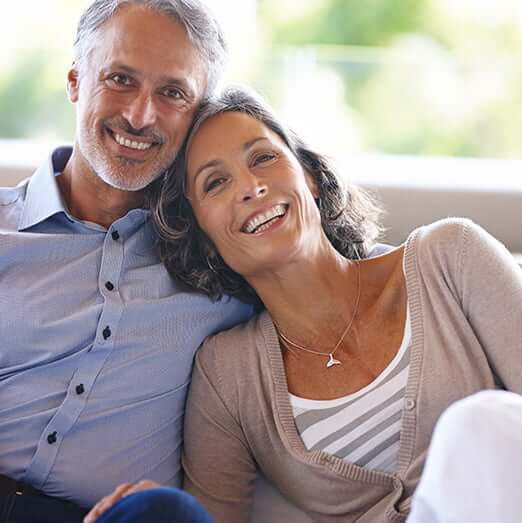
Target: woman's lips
x,y
262,220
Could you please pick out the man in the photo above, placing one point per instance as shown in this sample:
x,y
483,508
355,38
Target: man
x,y
97,341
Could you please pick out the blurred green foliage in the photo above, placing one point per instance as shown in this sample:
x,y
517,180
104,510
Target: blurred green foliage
x,y
418,76
396,76
350,22
28,106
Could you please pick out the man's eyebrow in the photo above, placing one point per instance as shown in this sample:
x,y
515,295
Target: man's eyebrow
x,y
171,80
121,67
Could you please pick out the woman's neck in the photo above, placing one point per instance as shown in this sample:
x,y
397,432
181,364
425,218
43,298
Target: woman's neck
x,y
309,294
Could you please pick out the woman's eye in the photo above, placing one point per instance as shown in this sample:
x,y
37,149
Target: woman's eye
x,y
214,183
263,158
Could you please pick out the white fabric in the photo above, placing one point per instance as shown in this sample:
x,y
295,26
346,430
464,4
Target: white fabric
x,y
473,472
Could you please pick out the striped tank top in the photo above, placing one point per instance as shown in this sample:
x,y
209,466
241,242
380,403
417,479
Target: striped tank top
x,y
363,427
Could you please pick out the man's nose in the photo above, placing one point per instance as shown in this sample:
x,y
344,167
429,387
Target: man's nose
x,y
141,112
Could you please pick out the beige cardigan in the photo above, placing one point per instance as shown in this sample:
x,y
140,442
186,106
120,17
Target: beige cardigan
x,y
243,457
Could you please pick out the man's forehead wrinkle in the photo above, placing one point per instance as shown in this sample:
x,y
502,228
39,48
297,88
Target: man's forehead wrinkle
x,y
125,32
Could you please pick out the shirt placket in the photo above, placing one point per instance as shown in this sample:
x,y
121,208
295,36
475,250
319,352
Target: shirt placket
x,y
91,364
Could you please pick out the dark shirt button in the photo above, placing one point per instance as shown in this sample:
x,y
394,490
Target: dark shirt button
x,y
80,389
109,286
106,333
115,235
52,438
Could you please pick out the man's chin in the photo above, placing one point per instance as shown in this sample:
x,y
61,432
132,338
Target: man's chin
x,y
127,183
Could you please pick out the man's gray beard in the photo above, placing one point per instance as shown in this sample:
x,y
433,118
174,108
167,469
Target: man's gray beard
x,y
115,177
120,182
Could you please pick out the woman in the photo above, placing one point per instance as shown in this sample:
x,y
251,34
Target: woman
x,y
322,407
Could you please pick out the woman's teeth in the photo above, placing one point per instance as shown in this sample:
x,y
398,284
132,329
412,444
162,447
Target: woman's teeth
x,y
267,225
263,220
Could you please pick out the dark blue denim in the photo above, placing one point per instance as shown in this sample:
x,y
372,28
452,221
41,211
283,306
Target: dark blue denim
x,y
160,505
30,508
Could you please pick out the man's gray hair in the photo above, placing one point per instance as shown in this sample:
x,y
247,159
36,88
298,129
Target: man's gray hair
x,y
203,30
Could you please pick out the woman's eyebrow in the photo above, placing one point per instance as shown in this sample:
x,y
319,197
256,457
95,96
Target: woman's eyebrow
x,y
252,142
211,163
216,162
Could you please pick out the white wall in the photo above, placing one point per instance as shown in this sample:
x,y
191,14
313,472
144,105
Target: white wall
x,y
420,190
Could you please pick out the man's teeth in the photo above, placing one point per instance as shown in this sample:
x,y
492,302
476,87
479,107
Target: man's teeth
x,y
140,146
260,222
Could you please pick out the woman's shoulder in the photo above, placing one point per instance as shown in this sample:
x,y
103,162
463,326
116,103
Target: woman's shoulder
x,y
450,234
440,232
453,246
444,240
233,362
231,350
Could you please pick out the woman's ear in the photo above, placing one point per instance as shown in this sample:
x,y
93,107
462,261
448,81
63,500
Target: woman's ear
x,y
311,182
207,247
211,257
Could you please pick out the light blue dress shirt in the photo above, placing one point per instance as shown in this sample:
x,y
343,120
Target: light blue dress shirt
x,y
96,346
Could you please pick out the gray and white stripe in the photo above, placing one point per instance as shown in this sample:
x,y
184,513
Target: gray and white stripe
x,y
363,427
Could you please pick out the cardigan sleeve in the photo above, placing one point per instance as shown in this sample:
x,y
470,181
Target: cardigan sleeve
x,y
219,468
491,293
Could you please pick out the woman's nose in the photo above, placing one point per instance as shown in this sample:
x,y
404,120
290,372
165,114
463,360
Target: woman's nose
x,y
251,187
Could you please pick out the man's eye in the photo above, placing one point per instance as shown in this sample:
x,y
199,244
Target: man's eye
x,y
173,93
120,80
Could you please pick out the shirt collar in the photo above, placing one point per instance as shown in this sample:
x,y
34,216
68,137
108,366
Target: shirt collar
x,y
43,198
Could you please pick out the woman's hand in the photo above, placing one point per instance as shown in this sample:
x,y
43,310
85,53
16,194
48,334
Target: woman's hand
x,y
120,492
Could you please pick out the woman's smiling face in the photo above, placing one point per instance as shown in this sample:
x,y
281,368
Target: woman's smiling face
x,y
250,194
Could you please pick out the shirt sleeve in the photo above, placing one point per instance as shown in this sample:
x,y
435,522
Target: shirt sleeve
x,y
219,468
491,291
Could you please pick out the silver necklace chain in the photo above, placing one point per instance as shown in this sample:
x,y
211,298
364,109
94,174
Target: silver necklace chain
x,y
331,360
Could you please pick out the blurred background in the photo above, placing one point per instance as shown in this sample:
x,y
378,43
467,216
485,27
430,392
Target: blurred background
x,y
422,96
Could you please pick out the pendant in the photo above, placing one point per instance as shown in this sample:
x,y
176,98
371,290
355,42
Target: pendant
x,y
332,361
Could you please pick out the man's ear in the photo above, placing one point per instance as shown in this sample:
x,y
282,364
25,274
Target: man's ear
x,y
73,84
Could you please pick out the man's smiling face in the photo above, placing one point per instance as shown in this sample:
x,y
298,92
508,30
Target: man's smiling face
x,y
137,94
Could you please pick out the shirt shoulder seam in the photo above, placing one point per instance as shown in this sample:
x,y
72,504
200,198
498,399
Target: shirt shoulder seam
x,y
17,194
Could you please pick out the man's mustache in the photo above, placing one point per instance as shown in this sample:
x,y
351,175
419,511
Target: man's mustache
x,y
120,124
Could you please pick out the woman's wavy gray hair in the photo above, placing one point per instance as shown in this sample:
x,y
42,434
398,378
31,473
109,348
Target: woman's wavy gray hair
x,y
349,217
